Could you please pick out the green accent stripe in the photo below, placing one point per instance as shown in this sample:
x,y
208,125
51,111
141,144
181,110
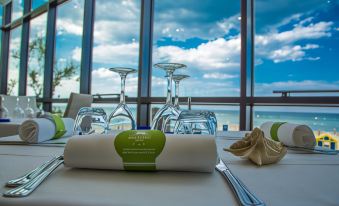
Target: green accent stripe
x,y
274,130
59,126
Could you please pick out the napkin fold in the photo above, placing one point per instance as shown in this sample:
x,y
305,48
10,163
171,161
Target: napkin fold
x,y
196,153
258,149
293,135
38,130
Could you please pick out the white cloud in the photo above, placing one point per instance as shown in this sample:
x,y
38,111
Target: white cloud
x,y
119,54
284,46
217,75
213,55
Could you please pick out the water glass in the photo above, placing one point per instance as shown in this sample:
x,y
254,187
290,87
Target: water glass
x,y
90,120
196,122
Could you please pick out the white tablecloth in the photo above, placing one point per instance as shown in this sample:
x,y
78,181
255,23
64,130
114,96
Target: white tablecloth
x,y
299,179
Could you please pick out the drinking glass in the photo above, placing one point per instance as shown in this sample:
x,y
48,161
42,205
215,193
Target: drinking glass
x,y
18,112
90,120
196,122
3,109
165,118
177,78
29,111
122,118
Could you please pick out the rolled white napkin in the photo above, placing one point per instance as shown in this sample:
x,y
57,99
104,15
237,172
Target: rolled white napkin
x,y
180,153
42,129
294,135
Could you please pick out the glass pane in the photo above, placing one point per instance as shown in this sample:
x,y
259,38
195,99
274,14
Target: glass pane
x,y
37,3
59,108
68,48
17,9
227,116
206,37
14,62
115,47
296,46
36,56
319,119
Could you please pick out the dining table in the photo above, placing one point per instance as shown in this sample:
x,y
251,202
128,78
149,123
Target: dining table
x,y
300,178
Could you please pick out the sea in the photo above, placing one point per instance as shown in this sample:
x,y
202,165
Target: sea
x,y
317,121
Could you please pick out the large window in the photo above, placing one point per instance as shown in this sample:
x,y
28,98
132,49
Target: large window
x,y
36,58
116,44
14,62
205,36
297,45
68,48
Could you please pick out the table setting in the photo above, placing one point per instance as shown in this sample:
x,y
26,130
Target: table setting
x,y
100,159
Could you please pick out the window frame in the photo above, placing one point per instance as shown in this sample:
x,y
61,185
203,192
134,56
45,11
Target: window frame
x,y
246,101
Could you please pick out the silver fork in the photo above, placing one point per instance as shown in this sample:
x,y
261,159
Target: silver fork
x,y
27,188
30,175
244,196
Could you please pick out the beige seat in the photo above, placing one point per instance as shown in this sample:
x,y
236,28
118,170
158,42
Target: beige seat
x,y
75,102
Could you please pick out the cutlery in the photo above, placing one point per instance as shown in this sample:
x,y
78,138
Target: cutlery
x,y
27,188
30,175
244,196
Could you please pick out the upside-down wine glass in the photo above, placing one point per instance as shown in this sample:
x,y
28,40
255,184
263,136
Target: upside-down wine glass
x,y
122,118
177,78
165,118
18,112
3,109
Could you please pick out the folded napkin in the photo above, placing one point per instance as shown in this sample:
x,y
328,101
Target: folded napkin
x,y
142,150
258,149
293,135
42,129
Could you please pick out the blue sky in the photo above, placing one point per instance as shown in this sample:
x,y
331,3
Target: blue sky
x,y
296,46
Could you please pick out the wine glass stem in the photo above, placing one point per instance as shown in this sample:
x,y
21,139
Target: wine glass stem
x,y
169,87
122,94
176,100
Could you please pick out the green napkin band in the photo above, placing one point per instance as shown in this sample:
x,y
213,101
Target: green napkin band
x,y
59,126
139,149
274,130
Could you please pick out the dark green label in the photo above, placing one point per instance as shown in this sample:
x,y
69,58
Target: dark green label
x,y
139,149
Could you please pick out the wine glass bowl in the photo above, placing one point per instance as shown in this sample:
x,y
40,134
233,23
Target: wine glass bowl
x,y
122,118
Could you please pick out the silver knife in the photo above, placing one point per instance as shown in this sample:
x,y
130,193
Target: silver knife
x,y
244,196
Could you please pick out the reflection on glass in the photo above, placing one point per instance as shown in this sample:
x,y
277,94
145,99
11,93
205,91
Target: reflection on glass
x,y
90,120
36,56
68,48
296,46
115,47
17,9
14,62
203,35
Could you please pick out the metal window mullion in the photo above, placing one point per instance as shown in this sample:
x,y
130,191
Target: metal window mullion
x,y
145,62
87,44
243,72
24,50
49,56
6,18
